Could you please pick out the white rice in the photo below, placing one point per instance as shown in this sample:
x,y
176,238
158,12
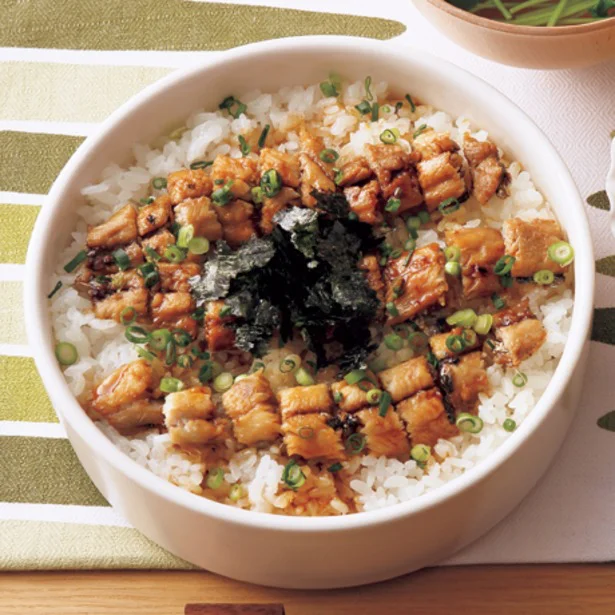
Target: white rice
x,y
377,482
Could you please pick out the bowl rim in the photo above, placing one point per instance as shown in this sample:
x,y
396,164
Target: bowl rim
x,y
521,30
40,336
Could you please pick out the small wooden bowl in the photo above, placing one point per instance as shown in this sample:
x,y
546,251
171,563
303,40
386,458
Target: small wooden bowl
x,y
523,46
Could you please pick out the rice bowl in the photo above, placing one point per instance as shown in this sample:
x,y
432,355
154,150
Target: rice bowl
x,y
557,321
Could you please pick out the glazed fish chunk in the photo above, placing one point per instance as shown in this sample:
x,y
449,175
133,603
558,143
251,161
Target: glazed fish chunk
x,y
170,308
112,306
236,220
154,216
189,417
201,214
310,436
271,206
125,398
218,335
407,378
118,230
159,241
369,265
175,276
349,397
426,418
529,242
442,351
287,165
364,201
488,173
253,408
416,284
305,400
431,144
188,184
384,435
441,178
313,178
355,171
480,249
463,381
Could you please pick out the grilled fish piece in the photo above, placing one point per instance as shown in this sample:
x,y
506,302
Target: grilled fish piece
x,y
513,313
405,187
242,172
365,202
305,400
441,350
169,308
159,241
174,277
529,242
253,409
384,435
373,275
236,220
519,341
118,230
431,144
351,396
463,381
480,249
416,284
154,216
202,215
384,160
217,334
188,184
407,378
426,418
113,305
102,261
441,178
124,398
313,178
309,436
286,164
285,198
488,172
355,171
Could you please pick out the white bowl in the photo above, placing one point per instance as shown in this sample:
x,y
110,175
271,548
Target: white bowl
x,y
327,551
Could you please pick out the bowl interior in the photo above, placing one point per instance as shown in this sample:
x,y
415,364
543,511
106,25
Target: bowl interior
x,y
269,66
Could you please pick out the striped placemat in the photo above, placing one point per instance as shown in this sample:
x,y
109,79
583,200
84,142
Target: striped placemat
x,y
64,66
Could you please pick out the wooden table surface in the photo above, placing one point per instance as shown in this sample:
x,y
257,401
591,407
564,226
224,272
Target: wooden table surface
x,y
514,590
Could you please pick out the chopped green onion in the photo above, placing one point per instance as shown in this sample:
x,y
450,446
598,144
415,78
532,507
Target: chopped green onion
x,y
544,277
305,432
174,254
215,478
241,377
453,268
519,380
483,324
506,281
145,354
159,183
410,246
121,258
373,396
398,106
504,265
263,136
353,216
56,288
184,235
223,196
128,315
75,262
206,373
469,337
198,245
328,89
226,311
290,363
256,366
236,493
136,335
398,289
171,385
509,425
419,131
363,107
148,201
393,341
561,253
433,360
469,423
159,339
328,155
257,194
449,206
411,103
66,353
498,302
386,109
170,353
337,397
355,443
271,183
336,467
418,341
392,309
181,337
303,377
185,361
243,146
200,164
339,175
151,254
292,476
413,223
392,205
388,136
452,253
420,453
355,376
199,314
368,92
395,253
455,343
424,217
414,234
375,109
149,273
465,318
233,106
385,402
223,382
